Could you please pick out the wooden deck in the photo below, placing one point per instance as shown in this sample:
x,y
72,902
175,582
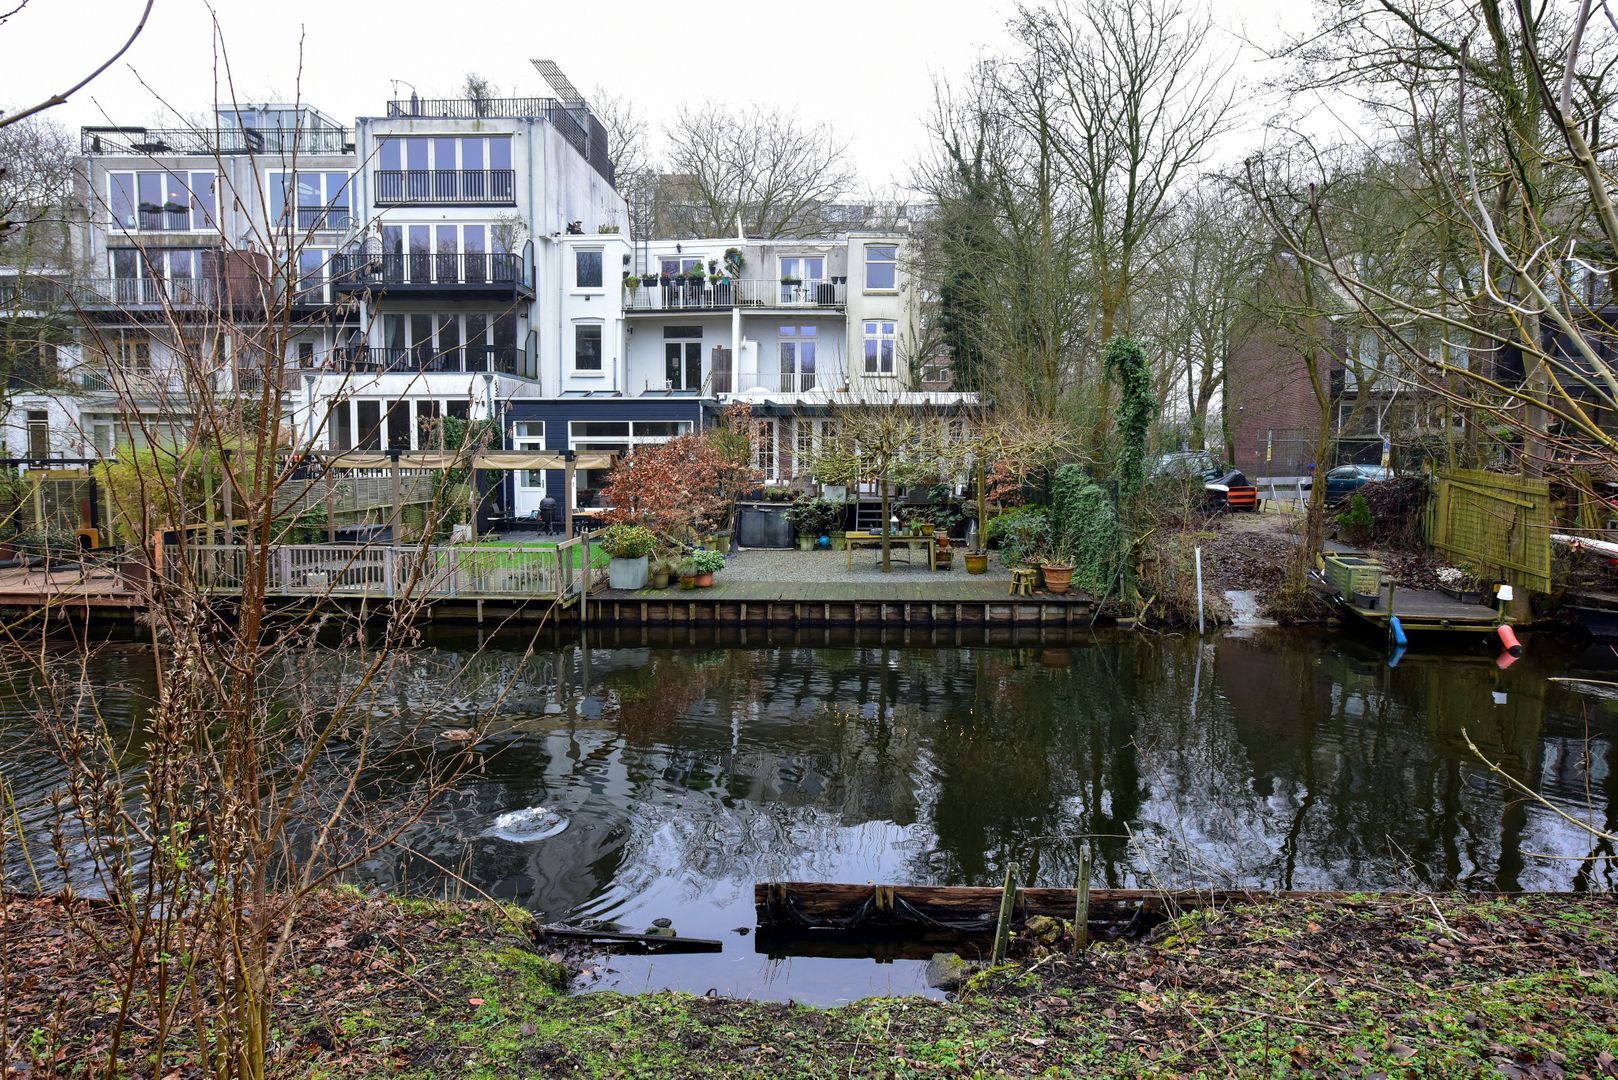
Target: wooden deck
x,y
68,588
1426,611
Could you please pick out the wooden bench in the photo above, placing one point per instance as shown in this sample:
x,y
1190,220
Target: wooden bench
x,y
907,540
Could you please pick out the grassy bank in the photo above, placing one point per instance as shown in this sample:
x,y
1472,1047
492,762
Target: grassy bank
x,y
1447,986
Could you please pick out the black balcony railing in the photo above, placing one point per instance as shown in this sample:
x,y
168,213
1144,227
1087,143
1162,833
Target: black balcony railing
x,y
491,272
574,123
500,359
324,219
151,219
139,140
446,187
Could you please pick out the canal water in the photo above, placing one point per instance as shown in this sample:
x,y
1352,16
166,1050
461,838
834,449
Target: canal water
x,y
684,769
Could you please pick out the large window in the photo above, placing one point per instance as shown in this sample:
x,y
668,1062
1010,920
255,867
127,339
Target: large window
x,y
800,277
303,201
587,348
798,346
462,254
397,423
162,201
613,435
881,267
450,341
152,275
587,269
682,357
528,436
669,265
881,342
445,168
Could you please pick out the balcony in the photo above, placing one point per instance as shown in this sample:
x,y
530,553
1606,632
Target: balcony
x,y
151,292
446,187
575,124
503,360
747,293
473,275
114,141
825,380
324,219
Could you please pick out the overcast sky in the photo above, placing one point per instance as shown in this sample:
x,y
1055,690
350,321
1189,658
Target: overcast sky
x,y
864,66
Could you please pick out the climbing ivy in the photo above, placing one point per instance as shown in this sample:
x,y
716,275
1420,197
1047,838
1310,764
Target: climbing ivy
x,y
1087,532
1125,364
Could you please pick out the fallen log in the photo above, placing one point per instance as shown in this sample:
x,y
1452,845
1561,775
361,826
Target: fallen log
x,y
653,942
792,909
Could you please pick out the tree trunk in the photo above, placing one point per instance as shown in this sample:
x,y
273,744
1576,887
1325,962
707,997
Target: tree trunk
x,y
887,534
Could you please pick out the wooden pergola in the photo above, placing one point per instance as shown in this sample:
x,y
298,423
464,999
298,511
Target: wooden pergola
x,y
568,461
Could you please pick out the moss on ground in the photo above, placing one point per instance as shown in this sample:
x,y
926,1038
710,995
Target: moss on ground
x,y
1442,986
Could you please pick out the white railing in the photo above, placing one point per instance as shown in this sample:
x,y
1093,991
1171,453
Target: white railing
x,y
723,295
438,571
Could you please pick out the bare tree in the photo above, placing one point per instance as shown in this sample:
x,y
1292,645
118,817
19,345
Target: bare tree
x,y
758,169
629,148
61,97
1214,249
252,785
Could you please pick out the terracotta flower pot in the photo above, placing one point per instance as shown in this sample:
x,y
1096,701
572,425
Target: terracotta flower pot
x,y
704,580
1057,578
977,563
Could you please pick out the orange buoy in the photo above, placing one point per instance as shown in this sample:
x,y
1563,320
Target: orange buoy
x,y
1508,638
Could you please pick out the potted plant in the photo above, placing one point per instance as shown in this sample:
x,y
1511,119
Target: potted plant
x,y
630,547
917,520
814,518
734,261
663,571
977,562
706,563
1058,573
688,574
630,281
713,267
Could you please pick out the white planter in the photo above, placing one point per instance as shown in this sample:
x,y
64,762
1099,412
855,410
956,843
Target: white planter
x,y
629,574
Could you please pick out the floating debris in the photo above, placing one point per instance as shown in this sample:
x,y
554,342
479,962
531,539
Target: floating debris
x,y
527,825
460,734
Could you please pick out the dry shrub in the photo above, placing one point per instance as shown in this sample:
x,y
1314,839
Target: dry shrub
x,y
1398,510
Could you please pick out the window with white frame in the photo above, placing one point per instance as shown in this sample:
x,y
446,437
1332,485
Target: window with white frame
x,y
528,436
151,201
764,455
806,441
587,348
587,268
669,265
881,343
881,267
798,346
304,201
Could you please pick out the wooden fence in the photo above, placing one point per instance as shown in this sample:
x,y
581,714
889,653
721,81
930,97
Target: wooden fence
x,y
1495,523
560,572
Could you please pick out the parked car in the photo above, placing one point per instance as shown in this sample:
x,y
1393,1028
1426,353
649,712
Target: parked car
x,y
1222,489
1345,480
1186,465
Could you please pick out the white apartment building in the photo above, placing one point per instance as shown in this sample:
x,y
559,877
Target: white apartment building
x,y
452,258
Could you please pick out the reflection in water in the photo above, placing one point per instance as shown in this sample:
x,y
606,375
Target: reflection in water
x,y
686,772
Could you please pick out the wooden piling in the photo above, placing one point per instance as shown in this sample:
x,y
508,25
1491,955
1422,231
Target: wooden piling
x,y
1002,926
1081,908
